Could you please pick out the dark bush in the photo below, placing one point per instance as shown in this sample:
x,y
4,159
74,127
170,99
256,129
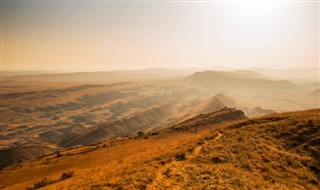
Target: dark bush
x,y
167,172
140,134
66,175
180,156
58,155
42,183
217,160
154,133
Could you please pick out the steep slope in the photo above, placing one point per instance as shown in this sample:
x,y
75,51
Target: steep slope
x,y
223,115
21,154
217,102
122,127
150,120
278,151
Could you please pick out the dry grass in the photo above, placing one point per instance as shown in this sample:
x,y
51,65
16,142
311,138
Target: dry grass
x,y
93,163
279,151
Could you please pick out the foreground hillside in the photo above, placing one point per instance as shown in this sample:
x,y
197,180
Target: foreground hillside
x,y
216,150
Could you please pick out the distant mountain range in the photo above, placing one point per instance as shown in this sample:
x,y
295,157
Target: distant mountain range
x,y
296,74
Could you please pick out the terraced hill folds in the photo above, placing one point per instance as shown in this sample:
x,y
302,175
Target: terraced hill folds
x,y
218,150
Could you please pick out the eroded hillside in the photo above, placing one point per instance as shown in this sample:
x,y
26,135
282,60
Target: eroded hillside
x,y
42,117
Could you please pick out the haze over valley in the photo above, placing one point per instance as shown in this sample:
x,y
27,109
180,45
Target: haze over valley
x,y
65,110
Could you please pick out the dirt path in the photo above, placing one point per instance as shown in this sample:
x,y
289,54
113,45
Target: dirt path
x,y
176,167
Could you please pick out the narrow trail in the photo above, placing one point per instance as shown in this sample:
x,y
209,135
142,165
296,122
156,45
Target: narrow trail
x,y
174,166
218,137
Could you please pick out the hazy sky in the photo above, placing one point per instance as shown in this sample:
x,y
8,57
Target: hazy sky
x,y
91,36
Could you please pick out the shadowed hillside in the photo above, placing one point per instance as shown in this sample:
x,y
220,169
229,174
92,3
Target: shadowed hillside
x,y
223,115
24,153
86,114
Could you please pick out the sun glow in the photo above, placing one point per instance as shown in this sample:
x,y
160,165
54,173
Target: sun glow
x,y
97,35
253,10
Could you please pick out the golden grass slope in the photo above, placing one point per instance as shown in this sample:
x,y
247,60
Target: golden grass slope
x,y
278,151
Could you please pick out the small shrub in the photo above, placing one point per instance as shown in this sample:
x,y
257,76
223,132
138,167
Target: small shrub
x,y
190,150
58,155
180,156
140,134
162,163
44,182
200,142
167,172
66,175
217,160
154,133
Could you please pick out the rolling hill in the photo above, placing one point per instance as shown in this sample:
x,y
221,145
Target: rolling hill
x,y
240,81
102,76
